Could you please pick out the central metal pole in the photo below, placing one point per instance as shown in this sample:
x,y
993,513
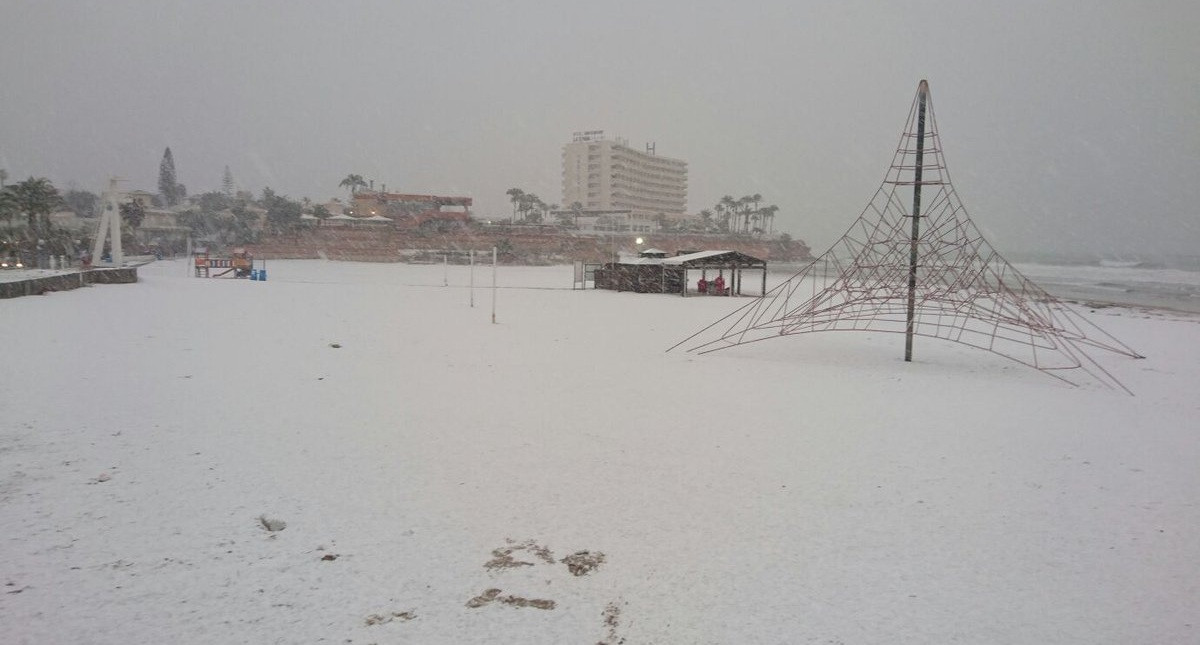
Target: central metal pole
x,y
916,222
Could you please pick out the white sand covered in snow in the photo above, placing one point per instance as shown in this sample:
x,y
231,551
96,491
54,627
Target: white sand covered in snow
x,y
814,489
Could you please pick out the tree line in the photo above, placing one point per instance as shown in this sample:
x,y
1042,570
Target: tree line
x,y
745,215
528,207
25,209
742,215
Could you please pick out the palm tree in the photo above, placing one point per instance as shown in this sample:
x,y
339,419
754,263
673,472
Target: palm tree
x,y
768,213
744,210
36,198
728,202
535,207
728,210
3,177
531,207
516,196
353,182
706,219
756,198
8,204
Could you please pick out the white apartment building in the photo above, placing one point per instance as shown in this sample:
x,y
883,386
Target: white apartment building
x,y
608,175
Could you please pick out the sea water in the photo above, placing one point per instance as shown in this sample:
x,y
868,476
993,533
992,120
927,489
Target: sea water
x,y
1167,282
1143,285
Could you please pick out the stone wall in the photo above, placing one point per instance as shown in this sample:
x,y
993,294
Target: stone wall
x,y
67,281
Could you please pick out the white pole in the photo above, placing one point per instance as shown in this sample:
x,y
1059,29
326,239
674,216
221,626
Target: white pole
x,y
110,220
472,277
493,285
445,270
118,256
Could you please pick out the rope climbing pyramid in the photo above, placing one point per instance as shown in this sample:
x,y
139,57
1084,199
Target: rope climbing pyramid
x,y
914,263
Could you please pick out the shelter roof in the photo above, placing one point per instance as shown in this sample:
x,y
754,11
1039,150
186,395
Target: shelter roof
x,y
702,259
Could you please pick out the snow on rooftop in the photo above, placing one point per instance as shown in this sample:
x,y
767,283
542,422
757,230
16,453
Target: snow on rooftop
x,y
699,255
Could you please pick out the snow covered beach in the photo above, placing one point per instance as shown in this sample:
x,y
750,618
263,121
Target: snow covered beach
x,y
814,489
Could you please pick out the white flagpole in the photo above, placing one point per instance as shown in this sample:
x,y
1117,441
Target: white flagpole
x,y
472,277
493,285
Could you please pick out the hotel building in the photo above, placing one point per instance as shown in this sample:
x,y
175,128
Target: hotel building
x,y
607,175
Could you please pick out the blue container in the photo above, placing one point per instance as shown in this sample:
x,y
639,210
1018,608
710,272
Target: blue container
x,y
262,275
253,274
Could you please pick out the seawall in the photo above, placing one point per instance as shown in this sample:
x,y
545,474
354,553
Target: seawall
x,y
67,281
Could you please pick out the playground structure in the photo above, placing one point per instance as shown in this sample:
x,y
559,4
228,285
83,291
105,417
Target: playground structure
x,y
925,272
240,264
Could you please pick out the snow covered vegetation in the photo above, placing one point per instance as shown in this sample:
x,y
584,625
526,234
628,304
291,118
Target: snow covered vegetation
x,y
351,453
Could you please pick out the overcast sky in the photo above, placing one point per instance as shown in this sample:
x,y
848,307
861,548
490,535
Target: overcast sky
x,y
1067,126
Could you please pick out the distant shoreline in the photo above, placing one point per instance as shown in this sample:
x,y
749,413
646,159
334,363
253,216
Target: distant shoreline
x,y
1094,285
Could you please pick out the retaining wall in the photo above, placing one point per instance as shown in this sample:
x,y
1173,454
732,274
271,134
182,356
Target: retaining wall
x,y
67,281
